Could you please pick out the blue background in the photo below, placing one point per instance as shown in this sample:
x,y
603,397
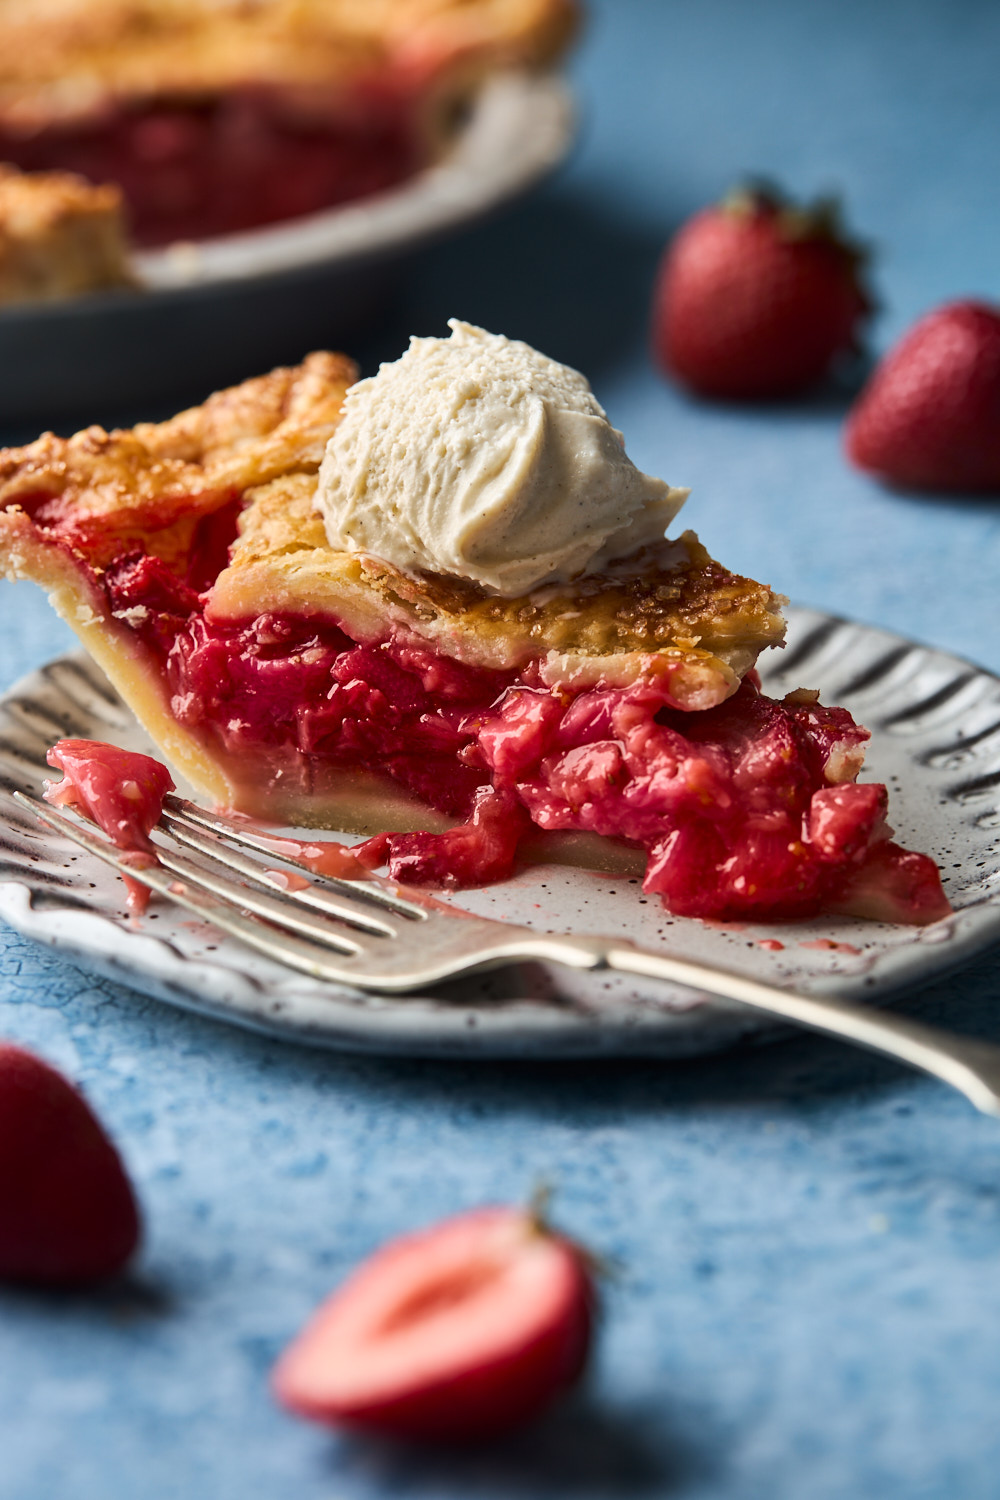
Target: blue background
x,y
809,1240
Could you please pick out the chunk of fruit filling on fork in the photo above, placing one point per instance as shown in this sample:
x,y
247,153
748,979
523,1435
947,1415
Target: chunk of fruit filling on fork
x,y
119,790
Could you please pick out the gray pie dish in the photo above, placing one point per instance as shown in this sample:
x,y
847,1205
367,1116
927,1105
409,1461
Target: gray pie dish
x,y
212,313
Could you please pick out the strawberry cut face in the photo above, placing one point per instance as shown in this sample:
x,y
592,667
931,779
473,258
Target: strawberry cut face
x,y
457,1333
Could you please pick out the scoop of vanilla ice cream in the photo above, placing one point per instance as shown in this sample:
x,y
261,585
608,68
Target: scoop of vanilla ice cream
x,y
477,456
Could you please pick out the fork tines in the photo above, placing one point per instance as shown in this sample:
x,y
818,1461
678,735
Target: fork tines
x,y
327,916
183,819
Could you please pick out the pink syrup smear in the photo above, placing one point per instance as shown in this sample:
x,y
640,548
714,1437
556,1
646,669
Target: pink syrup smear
x,y
771,945
288,880
119,790
323,857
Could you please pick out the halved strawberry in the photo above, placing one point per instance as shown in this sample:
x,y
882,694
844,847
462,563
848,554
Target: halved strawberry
x,y
458,1332
67,1212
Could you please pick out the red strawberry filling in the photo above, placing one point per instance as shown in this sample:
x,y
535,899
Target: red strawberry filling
x,y
193,170
744,810
120,790
478,852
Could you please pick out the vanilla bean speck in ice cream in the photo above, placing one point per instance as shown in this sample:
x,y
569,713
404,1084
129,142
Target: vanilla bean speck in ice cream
x,y
478,457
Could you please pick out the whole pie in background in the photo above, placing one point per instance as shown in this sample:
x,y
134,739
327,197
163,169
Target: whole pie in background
x,y
216,116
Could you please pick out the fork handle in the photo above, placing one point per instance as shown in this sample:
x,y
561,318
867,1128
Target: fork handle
x,y
970,1066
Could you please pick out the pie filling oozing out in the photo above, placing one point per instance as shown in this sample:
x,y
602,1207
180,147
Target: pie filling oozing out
x,y
215,118
614,720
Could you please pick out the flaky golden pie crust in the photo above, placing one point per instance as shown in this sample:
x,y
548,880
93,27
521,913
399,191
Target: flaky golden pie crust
x,y
71,60
66,503
676,604
59,236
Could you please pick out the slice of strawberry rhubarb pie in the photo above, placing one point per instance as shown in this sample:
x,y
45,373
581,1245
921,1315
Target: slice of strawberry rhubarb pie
x,y
438,606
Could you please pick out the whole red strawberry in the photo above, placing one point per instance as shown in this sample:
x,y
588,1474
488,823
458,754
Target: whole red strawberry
x,y
929,417
756,297
67,1213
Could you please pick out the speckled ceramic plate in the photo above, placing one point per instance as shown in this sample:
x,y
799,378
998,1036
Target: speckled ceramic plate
x,y
936,742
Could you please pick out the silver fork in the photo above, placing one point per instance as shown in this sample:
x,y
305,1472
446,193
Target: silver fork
x,y
369,934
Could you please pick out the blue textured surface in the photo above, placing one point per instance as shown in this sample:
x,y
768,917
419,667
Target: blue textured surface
x,y
810,1299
